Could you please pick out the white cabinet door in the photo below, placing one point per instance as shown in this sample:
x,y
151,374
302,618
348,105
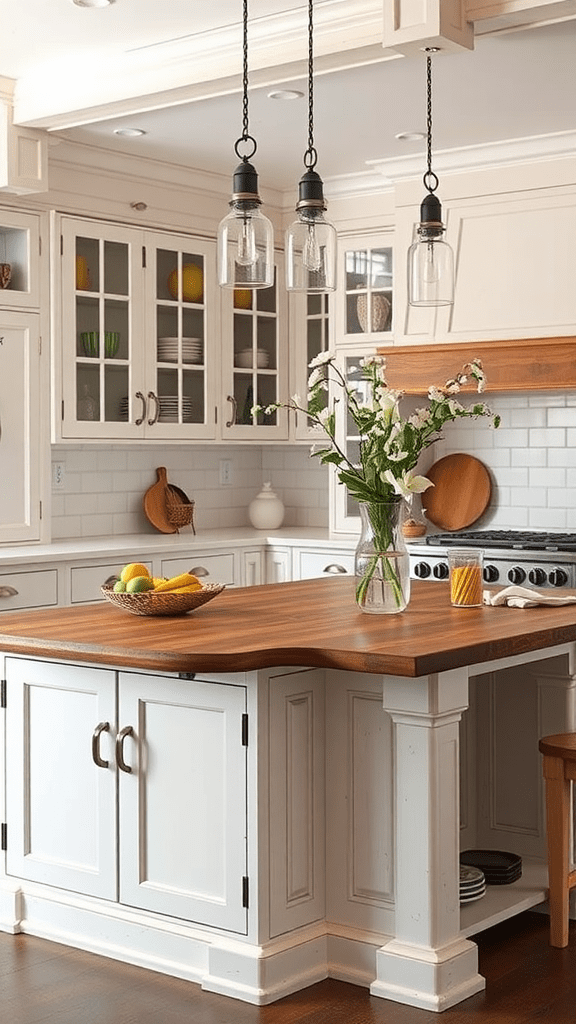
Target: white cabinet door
x,y
20,433
61,805
183,802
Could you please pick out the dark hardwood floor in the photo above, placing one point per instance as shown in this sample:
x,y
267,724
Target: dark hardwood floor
x,y
45,983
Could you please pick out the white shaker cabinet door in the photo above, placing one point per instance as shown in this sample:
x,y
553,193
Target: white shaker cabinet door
x,y
19,427
183,801
61,804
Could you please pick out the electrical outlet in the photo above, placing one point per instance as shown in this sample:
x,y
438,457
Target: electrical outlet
x,y
225,472
57,476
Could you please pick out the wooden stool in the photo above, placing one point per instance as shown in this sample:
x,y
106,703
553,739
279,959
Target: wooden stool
x,y
559,767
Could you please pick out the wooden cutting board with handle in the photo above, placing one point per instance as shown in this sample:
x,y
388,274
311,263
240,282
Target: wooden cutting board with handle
x,y
461,492
155,503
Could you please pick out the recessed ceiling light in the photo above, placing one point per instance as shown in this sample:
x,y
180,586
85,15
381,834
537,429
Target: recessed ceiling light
x,y
93,3
410,136
129,132
285,94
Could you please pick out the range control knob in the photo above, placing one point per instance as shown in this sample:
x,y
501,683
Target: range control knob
x,y
440,571
491,573
517,574
537,576
422,570
558,577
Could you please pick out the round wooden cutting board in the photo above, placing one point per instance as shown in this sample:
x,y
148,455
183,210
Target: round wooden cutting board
x,y
461,492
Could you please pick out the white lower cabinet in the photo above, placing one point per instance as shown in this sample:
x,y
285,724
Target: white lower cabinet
x,y
129,787
309,564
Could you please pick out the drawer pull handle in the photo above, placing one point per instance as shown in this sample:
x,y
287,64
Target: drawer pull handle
x,y
232,422
154,419
126,731
98,760
199,570
7,591
334,568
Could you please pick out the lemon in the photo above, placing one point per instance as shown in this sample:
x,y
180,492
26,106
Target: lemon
x,y
138,584
192,283
119,587
133,569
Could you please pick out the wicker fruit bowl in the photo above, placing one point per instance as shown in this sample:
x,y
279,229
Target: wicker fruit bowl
x,y
163,603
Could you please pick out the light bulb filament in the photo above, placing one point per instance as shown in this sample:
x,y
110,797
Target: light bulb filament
x,y
311,255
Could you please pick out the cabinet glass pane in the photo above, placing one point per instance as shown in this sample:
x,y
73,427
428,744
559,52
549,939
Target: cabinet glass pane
x,y
244,397
179,276
266,299
369,290
116,268
116,383
15,252
267,394
88,393
87,264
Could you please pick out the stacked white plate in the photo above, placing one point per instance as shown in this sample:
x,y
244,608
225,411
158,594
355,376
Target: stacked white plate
x,y
169,409
168,350
472,884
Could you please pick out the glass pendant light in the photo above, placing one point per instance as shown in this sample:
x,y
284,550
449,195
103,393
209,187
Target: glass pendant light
x,y
430,258
311,240
245,235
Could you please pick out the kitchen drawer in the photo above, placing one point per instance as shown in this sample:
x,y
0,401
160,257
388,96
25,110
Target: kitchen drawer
x,y
36,589
208,568
312,564
86,580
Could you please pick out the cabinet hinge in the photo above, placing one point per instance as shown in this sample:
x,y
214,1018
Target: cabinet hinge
x,y
40,345
62,410
40,510
244,730
4,837
244,887
61,245
2,693
144,256
215,414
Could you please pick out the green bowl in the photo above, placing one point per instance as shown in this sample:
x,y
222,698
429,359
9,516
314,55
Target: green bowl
x,y
91,343
111,343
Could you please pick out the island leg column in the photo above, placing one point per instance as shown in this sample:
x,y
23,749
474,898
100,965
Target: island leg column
x,y
427,964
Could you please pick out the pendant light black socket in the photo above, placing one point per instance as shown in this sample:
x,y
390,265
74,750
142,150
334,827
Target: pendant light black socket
x,y
431,216
245,182
311,191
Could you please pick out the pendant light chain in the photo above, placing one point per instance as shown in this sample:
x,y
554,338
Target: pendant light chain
x,y
430,179
310,156
245,137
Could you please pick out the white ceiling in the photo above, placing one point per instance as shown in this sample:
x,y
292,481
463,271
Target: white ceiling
x,y
75,67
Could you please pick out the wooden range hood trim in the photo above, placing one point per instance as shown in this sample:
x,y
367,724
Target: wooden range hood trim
x,y
526,364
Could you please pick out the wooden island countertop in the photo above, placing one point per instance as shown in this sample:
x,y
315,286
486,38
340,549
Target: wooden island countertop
x,y
309,622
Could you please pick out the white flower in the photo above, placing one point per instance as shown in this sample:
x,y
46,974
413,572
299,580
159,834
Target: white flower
x,y
407,484
296,400
316,377
321,359
419,418
455,407
434,394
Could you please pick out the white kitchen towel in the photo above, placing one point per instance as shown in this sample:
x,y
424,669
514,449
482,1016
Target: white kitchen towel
x,y
525,597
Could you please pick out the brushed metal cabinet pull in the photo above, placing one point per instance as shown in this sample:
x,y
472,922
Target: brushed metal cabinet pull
x,y
232,422
96,757
140,419
335,568
199,570
7,591
154,418
126,731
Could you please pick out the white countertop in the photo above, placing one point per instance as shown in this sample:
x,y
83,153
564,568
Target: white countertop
x,y
137,545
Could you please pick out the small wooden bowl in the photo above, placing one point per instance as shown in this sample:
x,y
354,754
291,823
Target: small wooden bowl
x,y
164,603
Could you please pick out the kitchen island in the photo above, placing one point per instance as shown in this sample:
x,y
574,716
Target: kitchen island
x,y
273,789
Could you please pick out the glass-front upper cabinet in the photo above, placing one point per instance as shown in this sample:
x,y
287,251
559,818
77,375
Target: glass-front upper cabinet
x,y
256,361
19,260
134,322
310,337
365,290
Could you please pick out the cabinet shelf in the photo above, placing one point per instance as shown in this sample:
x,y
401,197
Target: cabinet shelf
x,y
504,901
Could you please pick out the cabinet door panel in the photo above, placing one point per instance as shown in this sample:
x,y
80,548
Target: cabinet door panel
x,y
19,427
60,804
183,806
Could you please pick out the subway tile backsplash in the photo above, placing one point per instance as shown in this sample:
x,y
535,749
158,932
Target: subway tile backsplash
x,y
103,488
531,458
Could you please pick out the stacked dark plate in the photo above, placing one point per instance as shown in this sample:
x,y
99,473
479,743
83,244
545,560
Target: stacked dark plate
x,y
472,884
499,867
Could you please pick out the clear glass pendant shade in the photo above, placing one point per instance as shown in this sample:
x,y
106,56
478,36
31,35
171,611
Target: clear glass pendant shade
x,y
245,247
430,272
311,253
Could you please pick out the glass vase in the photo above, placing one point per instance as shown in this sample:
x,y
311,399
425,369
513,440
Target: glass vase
x,y
382,562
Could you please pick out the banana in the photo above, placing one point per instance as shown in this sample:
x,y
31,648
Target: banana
x,y
185,579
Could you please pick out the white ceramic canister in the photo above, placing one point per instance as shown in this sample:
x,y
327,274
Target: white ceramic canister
x,y
266,511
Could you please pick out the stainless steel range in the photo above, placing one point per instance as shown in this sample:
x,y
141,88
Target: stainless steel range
x,y
510,556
